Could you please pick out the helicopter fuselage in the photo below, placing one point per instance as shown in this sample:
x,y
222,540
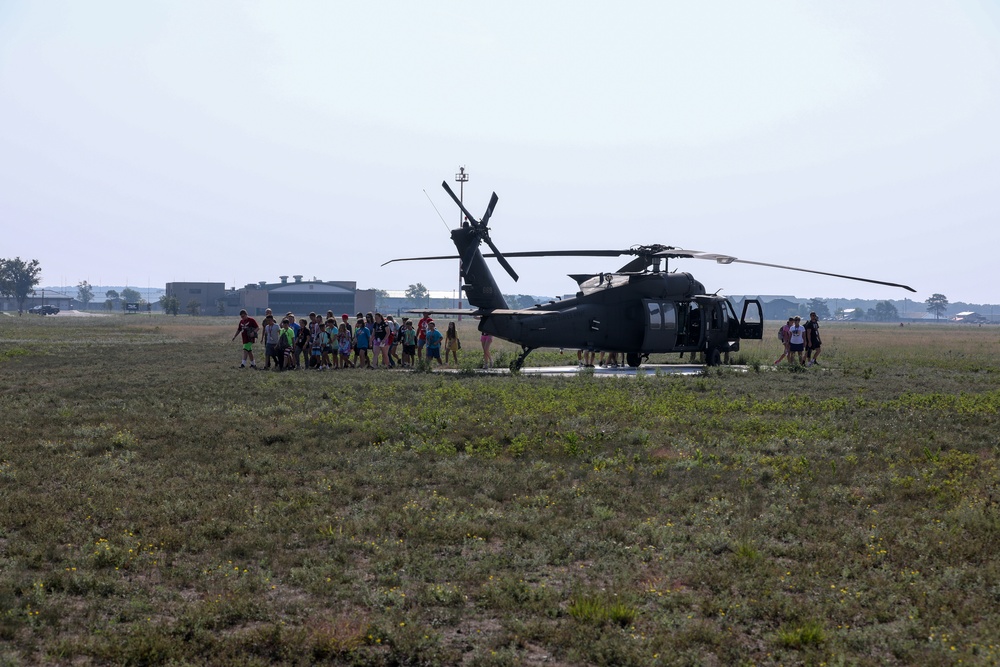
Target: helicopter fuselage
x,y
632,313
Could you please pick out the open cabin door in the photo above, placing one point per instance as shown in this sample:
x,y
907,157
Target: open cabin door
x,y
660,326
752,320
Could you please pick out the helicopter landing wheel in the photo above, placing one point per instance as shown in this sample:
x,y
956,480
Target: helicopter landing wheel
x,y
519,362
633,359
713,357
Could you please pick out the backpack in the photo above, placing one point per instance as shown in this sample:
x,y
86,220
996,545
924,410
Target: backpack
x,y
781,334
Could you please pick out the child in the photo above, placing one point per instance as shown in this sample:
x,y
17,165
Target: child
x,y
317,347
451,343
344,345
330,344
433,344
409,342
362,337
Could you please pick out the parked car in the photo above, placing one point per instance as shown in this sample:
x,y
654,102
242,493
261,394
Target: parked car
x,y
43,310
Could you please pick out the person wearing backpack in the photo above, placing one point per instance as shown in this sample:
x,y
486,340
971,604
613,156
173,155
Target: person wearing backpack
x,y
270,335
248,328
286,343
783,337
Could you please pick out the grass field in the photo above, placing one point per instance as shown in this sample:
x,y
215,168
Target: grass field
x,y
159,506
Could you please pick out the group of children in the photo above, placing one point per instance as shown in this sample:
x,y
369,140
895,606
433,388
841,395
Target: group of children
x,y
322,344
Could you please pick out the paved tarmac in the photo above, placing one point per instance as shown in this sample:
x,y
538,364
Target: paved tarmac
x,y
621,371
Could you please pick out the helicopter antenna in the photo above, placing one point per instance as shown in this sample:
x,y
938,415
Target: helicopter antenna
x,y
436,210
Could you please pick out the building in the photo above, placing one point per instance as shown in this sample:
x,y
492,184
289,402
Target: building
x,y
970,317
298,296
311,296
207,296
41,296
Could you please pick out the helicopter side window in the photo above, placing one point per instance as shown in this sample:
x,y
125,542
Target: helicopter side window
x,y
655,320
669,315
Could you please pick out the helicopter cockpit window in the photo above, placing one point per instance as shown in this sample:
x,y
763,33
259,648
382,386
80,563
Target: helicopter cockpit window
x,y
655,320
718,317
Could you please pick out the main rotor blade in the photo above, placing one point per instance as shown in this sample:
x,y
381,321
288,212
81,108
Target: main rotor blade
x,y
458,201
489,210
419,259
729,259
529,253
500,258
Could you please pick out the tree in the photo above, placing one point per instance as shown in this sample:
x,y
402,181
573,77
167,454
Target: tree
x,y
194,307
130,295
109,305
886,312
380,296
84,293
220,307
171,305
519,300
112,295
937,304
418,294
818,306
18,279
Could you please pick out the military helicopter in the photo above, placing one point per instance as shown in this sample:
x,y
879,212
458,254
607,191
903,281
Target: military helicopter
x,y
639,310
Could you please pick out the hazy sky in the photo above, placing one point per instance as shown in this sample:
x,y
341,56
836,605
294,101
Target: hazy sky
x,y
151,142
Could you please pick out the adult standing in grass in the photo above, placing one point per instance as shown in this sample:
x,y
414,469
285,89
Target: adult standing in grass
x,y
796,340
813,343
247,328
486,340
422,333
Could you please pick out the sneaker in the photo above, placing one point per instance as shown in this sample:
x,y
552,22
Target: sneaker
x,y
243,365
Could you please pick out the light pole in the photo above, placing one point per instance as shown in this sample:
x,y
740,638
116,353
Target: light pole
x,y
461,177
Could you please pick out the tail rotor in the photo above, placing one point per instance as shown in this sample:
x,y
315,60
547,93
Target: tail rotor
x,y
480,228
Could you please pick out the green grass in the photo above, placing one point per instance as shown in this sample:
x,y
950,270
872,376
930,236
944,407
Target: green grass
x,y
158,506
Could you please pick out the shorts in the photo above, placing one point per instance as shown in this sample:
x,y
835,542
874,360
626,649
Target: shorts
x,y
248,347
486,338
421,342
316,352
327,349
433,352
379,342
410,349
796,347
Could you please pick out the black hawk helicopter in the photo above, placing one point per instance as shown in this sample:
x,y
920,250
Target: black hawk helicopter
x,y
639,310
